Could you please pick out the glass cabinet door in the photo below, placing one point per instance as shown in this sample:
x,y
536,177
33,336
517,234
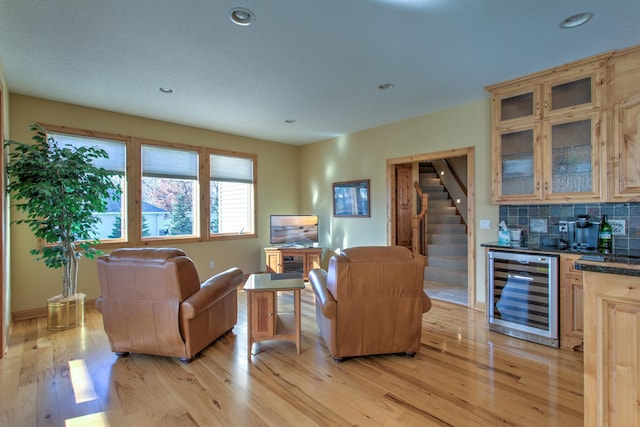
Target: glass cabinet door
x,y
518,164
572,161
520,105
571,94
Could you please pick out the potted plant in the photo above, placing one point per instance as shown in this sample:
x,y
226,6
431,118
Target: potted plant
x,y
59,189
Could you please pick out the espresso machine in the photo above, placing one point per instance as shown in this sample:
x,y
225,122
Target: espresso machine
x,y
583,233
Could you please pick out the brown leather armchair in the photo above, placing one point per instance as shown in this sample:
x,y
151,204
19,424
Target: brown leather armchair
x,y
371,301
152,302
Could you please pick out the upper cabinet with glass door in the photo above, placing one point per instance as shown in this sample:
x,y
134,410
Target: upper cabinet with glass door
x,y
559,112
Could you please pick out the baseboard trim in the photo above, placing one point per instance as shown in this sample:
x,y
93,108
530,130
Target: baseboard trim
x,y
34,313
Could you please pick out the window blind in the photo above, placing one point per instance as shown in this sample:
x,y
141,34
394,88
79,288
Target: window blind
x,y
115,150
159,162
231,169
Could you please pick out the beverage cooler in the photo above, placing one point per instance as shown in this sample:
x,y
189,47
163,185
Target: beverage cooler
x,y
523,296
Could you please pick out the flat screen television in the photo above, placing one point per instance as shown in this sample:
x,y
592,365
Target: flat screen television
x,y
293,230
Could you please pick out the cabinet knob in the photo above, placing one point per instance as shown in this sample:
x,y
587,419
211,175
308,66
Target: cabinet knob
x,y
537,186
537,106
546,186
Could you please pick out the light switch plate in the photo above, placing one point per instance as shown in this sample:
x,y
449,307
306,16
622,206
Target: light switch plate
x,y
485,224
618,227
538,225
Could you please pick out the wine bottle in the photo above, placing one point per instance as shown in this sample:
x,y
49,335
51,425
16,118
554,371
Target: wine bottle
x,y
605,239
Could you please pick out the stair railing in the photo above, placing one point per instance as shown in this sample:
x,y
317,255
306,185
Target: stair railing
x,y
454,186
419,240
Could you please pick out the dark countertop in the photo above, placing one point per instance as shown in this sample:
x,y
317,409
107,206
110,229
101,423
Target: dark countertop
x,y
620,261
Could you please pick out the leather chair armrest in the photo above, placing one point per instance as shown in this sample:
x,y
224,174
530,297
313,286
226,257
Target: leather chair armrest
x,y
318,279
211,291
426,302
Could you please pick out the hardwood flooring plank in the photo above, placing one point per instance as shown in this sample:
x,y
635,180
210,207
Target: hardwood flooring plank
x,y
463,375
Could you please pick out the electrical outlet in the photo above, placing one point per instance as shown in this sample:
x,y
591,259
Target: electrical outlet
x,y
618,227
212,264
562,226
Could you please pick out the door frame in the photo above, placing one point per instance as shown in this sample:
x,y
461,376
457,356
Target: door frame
x,y
469,152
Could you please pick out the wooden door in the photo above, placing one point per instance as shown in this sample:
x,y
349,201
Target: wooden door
x,y
404,193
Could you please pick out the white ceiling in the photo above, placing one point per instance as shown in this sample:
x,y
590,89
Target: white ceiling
x,y
318,62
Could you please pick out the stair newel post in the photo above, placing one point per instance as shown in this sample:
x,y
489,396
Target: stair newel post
x,y
416,242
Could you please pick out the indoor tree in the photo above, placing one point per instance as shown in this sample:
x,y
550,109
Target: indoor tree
x,y
59,189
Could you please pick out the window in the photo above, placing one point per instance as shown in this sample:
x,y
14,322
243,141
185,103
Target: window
x,y
231,192
169,189
111,225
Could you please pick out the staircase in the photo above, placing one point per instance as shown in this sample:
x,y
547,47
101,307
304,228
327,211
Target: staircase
x,y
446,234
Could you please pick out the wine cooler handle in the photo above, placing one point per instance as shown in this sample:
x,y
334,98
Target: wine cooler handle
x,y
518,277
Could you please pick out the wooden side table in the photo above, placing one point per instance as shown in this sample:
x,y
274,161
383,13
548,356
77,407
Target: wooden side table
x,y
263,320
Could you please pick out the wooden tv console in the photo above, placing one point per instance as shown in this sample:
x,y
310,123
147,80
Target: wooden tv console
x,y
288,259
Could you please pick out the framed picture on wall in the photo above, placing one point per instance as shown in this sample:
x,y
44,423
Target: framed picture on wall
x,y
351,199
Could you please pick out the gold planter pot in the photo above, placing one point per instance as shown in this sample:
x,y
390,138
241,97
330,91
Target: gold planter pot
x,y
65,313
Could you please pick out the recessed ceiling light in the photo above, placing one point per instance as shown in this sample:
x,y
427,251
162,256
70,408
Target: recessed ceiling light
x,y
241,16
165,89
385,86
576,20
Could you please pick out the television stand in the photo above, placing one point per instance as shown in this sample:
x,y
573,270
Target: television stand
x,y
292,259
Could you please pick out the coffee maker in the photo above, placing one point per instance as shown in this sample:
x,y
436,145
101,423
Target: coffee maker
x,y
583,233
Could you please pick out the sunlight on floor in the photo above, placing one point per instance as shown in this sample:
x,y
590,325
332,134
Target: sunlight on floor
x,y
90,420
81,381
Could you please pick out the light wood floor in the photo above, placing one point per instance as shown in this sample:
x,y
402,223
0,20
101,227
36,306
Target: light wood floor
x,y
462,376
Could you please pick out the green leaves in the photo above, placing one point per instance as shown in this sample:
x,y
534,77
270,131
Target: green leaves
x,y
59,190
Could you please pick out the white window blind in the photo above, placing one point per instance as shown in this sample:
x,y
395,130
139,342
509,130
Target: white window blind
x,y
231,169
159,162
115,150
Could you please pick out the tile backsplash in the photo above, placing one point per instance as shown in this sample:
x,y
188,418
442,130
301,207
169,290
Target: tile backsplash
x,y
520,216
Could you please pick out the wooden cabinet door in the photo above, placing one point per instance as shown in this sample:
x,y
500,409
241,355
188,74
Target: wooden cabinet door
x,y
522,103
516,164
574,91
626,150
571,303
313,261
264,314
611,345
274,261
572,151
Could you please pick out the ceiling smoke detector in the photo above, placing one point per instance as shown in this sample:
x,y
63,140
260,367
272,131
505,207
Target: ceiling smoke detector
x,y
241,16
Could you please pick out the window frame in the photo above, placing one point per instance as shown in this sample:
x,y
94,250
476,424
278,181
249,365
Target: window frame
x,y
133,183
56,129
197,194
207,194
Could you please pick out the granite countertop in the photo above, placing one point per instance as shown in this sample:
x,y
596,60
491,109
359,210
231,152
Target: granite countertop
x,y
619,261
